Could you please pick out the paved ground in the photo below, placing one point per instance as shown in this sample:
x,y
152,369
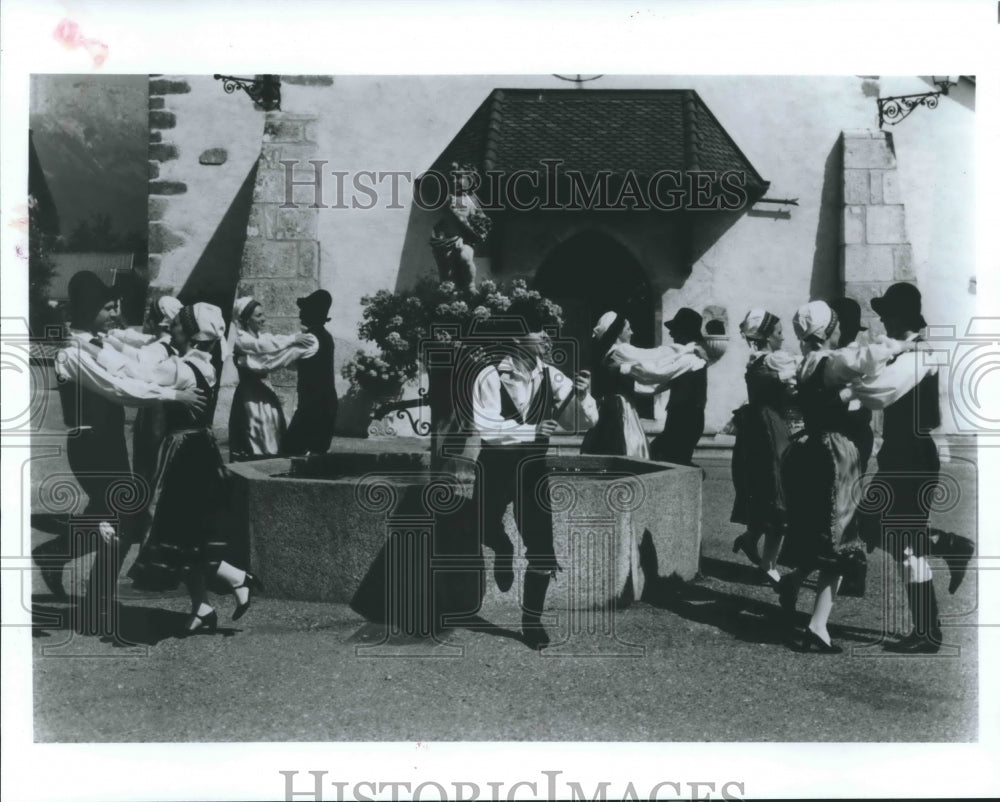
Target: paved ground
x,y
706,663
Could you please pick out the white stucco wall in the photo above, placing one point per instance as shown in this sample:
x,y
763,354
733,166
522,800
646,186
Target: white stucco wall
x,y
788,127
206,117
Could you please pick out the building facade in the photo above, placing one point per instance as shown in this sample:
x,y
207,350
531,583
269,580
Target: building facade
x,y
323,193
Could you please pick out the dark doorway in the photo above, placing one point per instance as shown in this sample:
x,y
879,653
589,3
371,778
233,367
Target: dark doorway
x,y
589,275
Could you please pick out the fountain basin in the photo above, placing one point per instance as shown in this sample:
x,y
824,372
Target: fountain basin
x,y
317,528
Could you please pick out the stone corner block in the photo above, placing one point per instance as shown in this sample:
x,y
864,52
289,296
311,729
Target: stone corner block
x,y
886,224
867,263
854,224
868,153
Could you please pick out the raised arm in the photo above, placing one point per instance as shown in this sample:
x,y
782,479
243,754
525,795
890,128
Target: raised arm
x,y
77,366
891,383
855,361
270,352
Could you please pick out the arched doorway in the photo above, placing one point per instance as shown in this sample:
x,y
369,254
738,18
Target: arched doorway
x,y
590,274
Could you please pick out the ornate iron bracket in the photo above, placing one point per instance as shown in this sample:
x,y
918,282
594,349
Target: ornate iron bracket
x,y
402,409
893,110
264,91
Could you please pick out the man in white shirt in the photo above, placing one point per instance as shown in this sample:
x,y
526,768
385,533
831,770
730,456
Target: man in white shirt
x,y
94,390
907,390
517,405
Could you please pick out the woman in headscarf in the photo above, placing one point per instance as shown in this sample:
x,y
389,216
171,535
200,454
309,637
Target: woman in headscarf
x,y
186,542
821,473
622,371
151,347
618,431
257,420
763,428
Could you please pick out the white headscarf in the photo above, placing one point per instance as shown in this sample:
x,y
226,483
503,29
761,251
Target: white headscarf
x,y
758,324
605,322
209,324
814,319
169,307
240,306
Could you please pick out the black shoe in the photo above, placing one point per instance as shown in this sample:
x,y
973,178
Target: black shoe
x,y
915,643
199,624
748,546
956,551
810,641
534,633
503,570
251,583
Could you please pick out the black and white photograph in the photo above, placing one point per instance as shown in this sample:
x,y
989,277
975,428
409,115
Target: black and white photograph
x,y
469,433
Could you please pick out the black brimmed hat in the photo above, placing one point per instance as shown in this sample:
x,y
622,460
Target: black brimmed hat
x,y
87,294
315,306
686,323
901,300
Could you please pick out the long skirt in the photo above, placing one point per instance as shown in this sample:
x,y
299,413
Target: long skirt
x,y
821,477
189,508
618,431
762,438
256,421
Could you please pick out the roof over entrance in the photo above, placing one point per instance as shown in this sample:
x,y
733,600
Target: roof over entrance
x,y
642,132
106,265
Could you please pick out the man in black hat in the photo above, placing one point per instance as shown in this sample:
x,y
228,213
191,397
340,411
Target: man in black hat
x,y
688,395
908,463
311,429
94,392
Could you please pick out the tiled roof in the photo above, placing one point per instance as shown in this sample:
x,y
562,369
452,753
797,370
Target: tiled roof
x,y
105,265
590,130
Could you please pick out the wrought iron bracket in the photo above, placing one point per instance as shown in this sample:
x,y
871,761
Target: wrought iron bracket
x,y
265,91
402,409
893,110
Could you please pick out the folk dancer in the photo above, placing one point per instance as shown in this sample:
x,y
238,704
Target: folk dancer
x,y
514,405
909,465
311,429
94,393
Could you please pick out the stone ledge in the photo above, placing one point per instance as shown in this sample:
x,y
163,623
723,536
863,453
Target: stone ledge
x,y
162,119
162,152
165,86
167,188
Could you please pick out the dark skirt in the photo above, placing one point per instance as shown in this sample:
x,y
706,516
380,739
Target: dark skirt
x,y
256,421
762,438
618,431
820,476
189,508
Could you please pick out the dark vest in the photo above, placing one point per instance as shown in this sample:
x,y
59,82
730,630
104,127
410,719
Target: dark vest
x,y
179,416
764,388
906,427
539,409
689,391
315,382
822,408
81,407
